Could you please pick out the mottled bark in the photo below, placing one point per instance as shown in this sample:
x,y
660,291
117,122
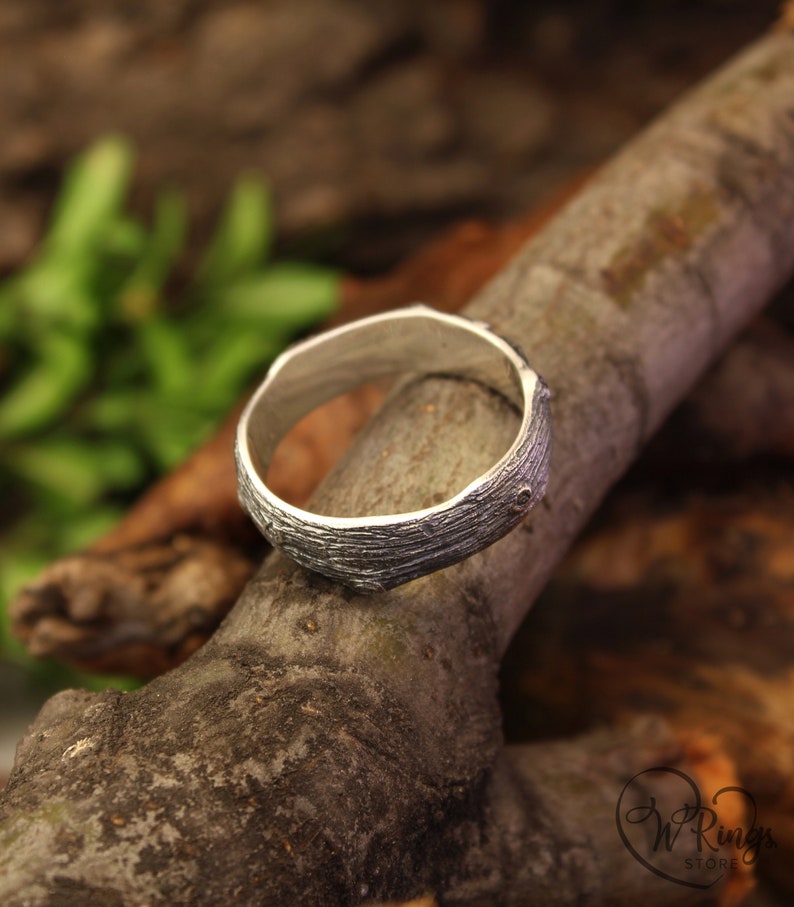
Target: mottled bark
x,y
327,748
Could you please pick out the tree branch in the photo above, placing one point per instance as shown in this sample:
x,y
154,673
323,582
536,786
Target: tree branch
x,y
325,747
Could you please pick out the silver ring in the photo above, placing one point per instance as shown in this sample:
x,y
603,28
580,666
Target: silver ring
x,y
375,553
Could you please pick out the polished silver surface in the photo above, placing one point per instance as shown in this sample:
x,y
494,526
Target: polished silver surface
x,y
374,553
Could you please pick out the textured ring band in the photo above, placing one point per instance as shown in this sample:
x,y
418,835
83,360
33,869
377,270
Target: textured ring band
x,y
374,553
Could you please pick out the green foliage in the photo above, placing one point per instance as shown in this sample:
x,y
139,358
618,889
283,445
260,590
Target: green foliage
x,y
108,377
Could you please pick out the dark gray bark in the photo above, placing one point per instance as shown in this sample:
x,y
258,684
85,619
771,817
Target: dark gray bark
x,y
329,748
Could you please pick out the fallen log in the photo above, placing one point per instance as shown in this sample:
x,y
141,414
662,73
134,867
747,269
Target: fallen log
x,y
325,747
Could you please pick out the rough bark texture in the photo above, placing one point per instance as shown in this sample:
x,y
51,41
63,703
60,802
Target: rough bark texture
x,y
328,748
532,822
139,610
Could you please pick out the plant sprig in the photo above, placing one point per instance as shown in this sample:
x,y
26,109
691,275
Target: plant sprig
x,y
107,379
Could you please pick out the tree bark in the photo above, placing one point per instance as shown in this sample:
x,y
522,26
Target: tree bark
x,y
330,748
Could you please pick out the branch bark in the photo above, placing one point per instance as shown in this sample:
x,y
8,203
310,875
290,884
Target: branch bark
x,y
349,747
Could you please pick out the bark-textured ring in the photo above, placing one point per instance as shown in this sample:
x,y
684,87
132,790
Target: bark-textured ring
x,y
374,553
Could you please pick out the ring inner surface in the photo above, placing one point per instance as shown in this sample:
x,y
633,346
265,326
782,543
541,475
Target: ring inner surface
x,y
331,366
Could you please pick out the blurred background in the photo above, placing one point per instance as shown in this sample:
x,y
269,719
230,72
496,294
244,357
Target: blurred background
x,y
179,178
375,123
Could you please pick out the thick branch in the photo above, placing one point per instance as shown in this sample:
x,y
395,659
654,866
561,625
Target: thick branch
x,y
338,741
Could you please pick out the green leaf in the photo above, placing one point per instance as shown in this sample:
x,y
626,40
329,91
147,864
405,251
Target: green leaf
x,y
59,470
242,239
114,412
76,472
9,317
54,293
124,238
91,196
16,569
169,431
49,387
87,527
284,298
228,367
167,355
92,306
138,298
